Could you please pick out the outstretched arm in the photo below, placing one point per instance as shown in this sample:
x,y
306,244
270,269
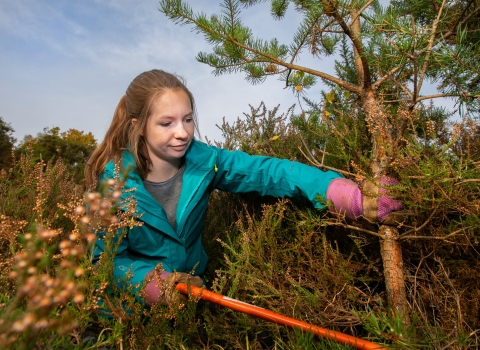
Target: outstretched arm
x,y
239,172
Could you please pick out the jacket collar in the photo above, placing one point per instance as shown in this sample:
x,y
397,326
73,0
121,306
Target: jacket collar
x,y
199,155
200,161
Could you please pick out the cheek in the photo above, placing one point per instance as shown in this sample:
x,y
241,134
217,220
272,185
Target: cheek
x,y
157,135
190,128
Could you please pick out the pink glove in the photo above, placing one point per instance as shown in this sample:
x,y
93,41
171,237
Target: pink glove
x,y
387,204
152,290
348,200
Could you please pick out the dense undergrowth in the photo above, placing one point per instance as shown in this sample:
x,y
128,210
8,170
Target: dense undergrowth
x,y
281,255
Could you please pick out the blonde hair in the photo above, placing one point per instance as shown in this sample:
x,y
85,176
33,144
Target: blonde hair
x,y
135,104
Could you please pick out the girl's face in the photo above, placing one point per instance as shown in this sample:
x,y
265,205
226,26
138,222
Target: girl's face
x,y
170,128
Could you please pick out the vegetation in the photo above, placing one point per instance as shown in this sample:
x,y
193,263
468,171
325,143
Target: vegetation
x,y
391,58
280,255
388,54
414,283
73,146
7,142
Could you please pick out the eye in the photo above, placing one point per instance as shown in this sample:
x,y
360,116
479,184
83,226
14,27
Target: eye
x,y
165,124
188,120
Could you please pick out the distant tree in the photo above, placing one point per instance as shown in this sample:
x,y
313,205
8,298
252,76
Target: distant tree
x,y
7,142
73,147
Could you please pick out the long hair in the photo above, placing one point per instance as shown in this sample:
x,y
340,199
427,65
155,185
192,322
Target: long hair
x,y
136,103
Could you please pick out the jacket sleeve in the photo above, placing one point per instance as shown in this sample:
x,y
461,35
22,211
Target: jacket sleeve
x,y
236,171
126,270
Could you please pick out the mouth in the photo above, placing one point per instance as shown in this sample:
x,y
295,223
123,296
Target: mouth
x,y
180,147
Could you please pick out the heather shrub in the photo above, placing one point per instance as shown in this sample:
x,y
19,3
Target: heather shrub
x,y
308,264
41,253
281,255
382,115
51,293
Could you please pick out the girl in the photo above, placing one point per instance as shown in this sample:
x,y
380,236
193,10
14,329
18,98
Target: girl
x,y
173,174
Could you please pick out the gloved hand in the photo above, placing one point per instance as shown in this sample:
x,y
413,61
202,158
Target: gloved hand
x,y
367,200
161,289
377,205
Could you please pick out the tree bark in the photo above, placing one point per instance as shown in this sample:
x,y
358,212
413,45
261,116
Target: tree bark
x,y
381,132
391,251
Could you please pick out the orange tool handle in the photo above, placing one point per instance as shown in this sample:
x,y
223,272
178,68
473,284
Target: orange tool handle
x,y
271,316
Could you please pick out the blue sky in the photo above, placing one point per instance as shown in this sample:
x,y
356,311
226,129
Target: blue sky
x,y
66,63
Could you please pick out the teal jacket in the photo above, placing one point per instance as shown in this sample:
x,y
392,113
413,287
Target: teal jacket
x,y
206,168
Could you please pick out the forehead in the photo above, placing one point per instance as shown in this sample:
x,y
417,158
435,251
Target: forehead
x,y
170,100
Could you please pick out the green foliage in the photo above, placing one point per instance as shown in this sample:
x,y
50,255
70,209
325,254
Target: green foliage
x,y
7,142
262,132
73,147
396,49
279,8
279,255
438,168
300,340
50,292
381,326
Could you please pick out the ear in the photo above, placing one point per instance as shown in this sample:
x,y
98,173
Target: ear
x,y
134,122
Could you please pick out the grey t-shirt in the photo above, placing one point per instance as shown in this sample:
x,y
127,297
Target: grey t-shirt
x,y
167,194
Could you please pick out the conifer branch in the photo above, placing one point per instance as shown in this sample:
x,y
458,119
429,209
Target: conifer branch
x,y
454,233
376,84
354,37
355,228
461,19
302,41
416,229
360,12
430,97
428,51
266,57
311,158
451,32
466,181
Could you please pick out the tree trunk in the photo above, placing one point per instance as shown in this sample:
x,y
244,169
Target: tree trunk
x,y
391,251
381,132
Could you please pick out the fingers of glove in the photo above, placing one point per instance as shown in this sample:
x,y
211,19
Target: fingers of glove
x,y
377,204
387,205
182,277
155,283
346,198
173,297
370,200
177,277
195,281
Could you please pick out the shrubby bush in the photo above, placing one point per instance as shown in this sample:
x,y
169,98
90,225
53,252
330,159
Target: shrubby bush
x,y
288,257
278,254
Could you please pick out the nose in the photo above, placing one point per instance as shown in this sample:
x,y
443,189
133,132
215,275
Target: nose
x,y
180,132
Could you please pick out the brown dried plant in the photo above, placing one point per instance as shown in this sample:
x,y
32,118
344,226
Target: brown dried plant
x,y
43,255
